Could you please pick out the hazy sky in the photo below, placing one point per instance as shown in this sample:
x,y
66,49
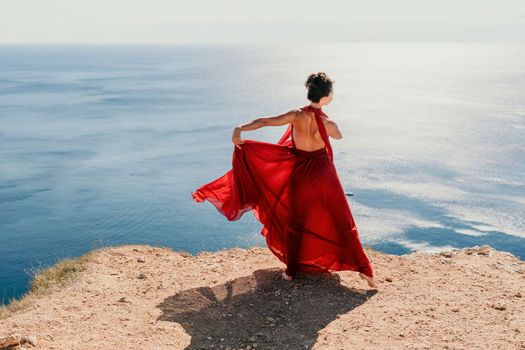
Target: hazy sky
x,y
204,21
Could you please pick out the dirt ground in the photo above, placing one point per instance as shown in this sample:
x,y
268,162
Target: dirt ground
x,y
143,297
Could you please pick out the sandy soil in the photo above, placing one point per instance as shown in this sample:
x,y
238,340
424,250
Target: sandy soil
x,y
143,297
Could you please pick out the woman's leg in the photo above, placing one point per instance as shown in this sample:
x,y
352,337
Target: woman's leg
x,y
293,248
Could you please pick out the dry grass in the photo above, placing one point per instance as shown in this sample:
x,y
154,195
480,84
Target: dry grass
x,y
58,274
47,278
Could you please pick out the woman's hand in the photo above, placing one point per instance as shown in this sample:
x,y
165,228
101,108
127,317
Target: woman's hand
x,y
236,137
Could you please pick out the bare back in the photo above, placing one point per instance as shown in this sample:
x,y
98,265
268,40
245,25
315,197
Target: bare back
x,y
305,133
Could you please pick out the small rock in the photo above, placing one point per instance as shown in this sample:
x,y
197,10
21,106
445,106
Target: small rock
x,y
484,250
123,300
31,340
388,279
140,260
15,341
141,276
499,306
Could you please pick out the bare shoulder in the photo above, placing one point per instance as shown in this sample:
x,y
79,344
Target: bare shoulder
x,y
328,121
296,111
293,112
332,129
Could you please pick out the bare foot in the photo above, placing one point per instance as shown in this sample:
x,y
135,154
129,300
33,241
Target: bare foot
x,y
286,277
369,280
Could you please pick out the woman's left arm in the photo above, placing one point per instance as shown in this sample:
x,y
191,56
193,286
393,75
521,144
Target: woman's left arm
x,y
282,119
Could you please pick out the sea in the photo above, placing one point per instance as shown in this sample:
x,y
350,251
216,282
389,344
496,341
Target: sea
x,y
102,145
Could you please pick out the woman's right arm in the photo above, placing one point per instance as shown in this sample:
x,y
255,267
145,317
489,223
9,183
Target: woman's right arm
x,y
332,129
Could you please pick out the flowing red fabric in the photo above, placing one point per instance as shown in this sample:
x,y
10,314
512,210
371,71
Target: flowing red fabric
x,y
299,199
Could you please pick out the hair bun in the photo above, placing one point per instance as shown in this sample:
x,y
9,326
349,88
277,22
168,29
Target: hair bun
x,y
315,80
312,85
318,85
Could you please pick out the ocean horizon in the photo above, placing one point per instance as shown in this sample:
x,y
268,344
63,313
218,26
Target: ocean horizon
x,y
103,144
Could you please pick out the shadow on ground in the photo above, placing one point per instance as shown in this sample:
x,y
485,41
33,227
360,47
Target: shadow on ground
x,y
262,310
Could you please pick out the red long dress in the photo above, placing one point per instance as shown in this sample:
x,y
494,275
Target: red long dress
x,y
299,199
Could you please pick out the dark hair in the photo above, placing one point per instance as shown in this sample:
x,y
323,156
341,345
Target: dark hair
x,y
319,85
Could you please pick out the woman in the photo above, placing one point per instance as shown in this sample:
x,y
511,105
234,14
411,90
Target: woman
x,y
294,190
